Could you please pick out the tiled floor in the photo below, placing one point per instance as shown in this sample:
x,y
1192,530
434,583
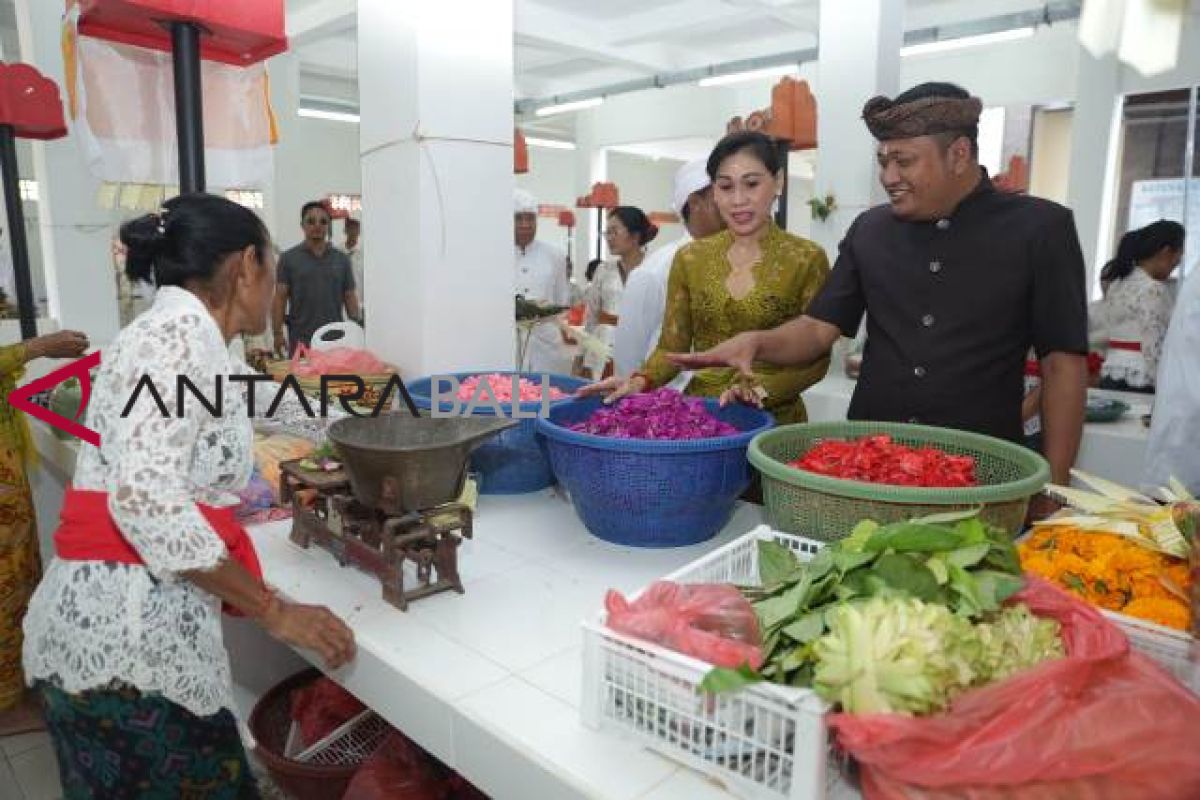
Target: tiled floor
x,y
28,769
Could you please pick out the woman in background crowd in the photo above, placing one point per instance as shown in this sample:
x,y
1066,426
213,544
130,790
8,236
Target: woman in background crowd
x,y
1136,309
629,231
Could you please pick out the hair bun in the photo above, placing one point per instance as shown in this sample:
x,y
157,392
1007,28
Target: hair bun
x,y
651,232
144,239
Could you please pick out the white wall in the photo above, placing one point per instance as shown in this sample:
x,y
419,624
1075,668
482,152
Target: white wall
x,y
1050,167
1037,70
313,158
1102,82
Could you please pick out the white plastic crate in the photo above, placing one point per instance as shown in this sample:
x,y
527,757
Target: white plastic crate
x,y
765,742
1169,647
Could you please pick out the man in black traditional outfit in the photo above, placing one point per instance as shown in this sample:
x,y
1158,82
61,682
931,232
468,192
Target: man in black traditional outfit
x,y
957,279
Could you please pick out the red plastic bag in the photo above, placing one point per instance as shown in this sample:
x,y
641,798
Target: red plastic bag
x,y
398,770
321,707
309,363
712,622
1104,723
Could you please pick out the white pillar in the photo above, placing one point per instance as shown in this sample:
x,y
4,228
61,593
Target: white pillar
x,y
75,233
1089,192
436,94
591,167
859,58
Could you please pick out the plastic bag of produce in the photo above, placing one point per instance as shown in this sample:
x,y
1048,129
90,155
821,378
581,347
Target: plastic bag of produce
x,y
399,770
322,707
308,363
1104,723
258,495
712,622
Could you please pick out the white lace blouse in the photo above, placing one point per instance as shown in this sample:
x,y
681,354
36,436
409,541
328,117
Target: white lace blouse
x,y
1136,309
93,624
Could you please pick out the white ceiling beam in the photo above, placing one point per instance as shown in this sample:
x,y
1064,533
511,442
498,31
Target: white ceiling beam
x,y
676,20
805,21
545,27
321,20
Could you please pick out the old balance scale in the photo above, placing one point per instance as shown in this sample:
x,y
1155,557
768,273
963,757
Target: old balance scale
x,y
398,498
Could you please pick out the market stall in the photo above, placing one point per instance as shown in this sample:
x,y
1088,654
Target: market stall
x,y
526,680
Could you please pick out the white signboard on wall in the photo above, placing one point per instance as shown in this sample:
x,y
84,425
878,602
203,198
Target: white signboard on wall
x,y
1152,200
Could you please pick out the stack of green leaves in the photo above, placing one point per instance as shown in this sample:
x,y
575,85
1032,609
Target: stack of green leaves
x,y
954,560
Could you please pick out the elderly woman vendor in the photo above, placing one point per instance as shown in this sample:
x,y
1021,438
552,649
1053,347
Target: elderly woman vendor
x,y
123,636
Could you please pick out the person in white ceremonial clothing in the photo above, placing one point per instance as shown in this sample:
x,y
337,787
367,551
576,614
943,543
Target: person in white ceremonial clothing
x,y
1173,450
541,276
645,298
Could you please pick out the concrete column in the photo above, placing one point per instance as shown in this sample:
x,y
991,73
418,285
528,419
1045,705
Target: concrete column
x,y
435,92
859,58
591,166
75,234
1097,99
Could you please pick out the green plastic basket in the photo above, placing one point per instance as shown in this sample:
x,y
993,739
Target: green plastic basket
x,y
826,509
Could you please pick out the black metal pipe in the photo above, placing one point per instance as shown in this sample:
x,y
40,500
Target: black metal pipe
x,y
16,229
189,105
781,211
599,232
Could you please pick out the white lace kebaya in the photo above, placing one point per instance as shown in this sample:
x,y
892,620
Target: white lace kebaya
x,y
92,624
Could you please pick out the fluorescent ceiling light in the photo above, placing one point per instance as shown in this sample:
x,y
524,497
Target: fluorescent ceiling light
x,y
751,75
321,113
562,108
553,144
942,45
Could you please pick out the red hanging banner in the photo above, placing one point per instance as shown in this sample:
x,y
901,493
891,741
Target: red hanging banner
x,y
239,33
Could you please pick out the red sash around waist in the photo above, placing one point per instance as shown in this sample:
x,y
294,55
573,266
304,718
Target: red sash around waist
x,y
1133,347
87,532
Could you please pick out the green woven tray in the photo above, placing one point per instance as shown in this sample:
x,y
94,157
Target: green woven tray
x,y
826,509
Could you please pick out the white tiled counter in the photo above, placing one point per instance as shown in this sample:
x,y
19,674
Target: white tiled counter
x,y
490,681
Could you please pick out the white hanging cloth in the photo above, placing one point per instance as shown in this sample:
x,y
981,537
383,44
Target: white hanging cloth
x,y
1145,34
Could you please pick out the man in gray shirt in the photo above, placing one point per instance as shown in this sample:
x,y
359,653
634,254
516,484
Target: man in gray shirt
x,y
315,281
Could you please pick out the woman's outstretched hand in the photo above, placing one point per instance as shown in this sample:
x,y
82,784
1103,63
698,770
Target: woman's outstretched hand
x,y
738,352
613,389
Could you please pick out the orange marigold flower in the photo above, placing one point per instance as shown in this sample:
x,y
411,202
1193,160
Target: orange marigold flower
x,y
1169,612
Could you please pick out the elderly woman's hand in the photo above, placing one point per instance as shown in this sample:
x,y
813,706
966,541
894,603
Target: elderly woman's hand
x,y
312,628
64,344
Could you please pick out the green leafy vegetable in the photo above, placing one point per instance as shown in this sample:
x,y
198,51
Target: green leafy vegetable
x,y
723,679
776,563
893,655
953,560
908,537
902,655
1016,640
